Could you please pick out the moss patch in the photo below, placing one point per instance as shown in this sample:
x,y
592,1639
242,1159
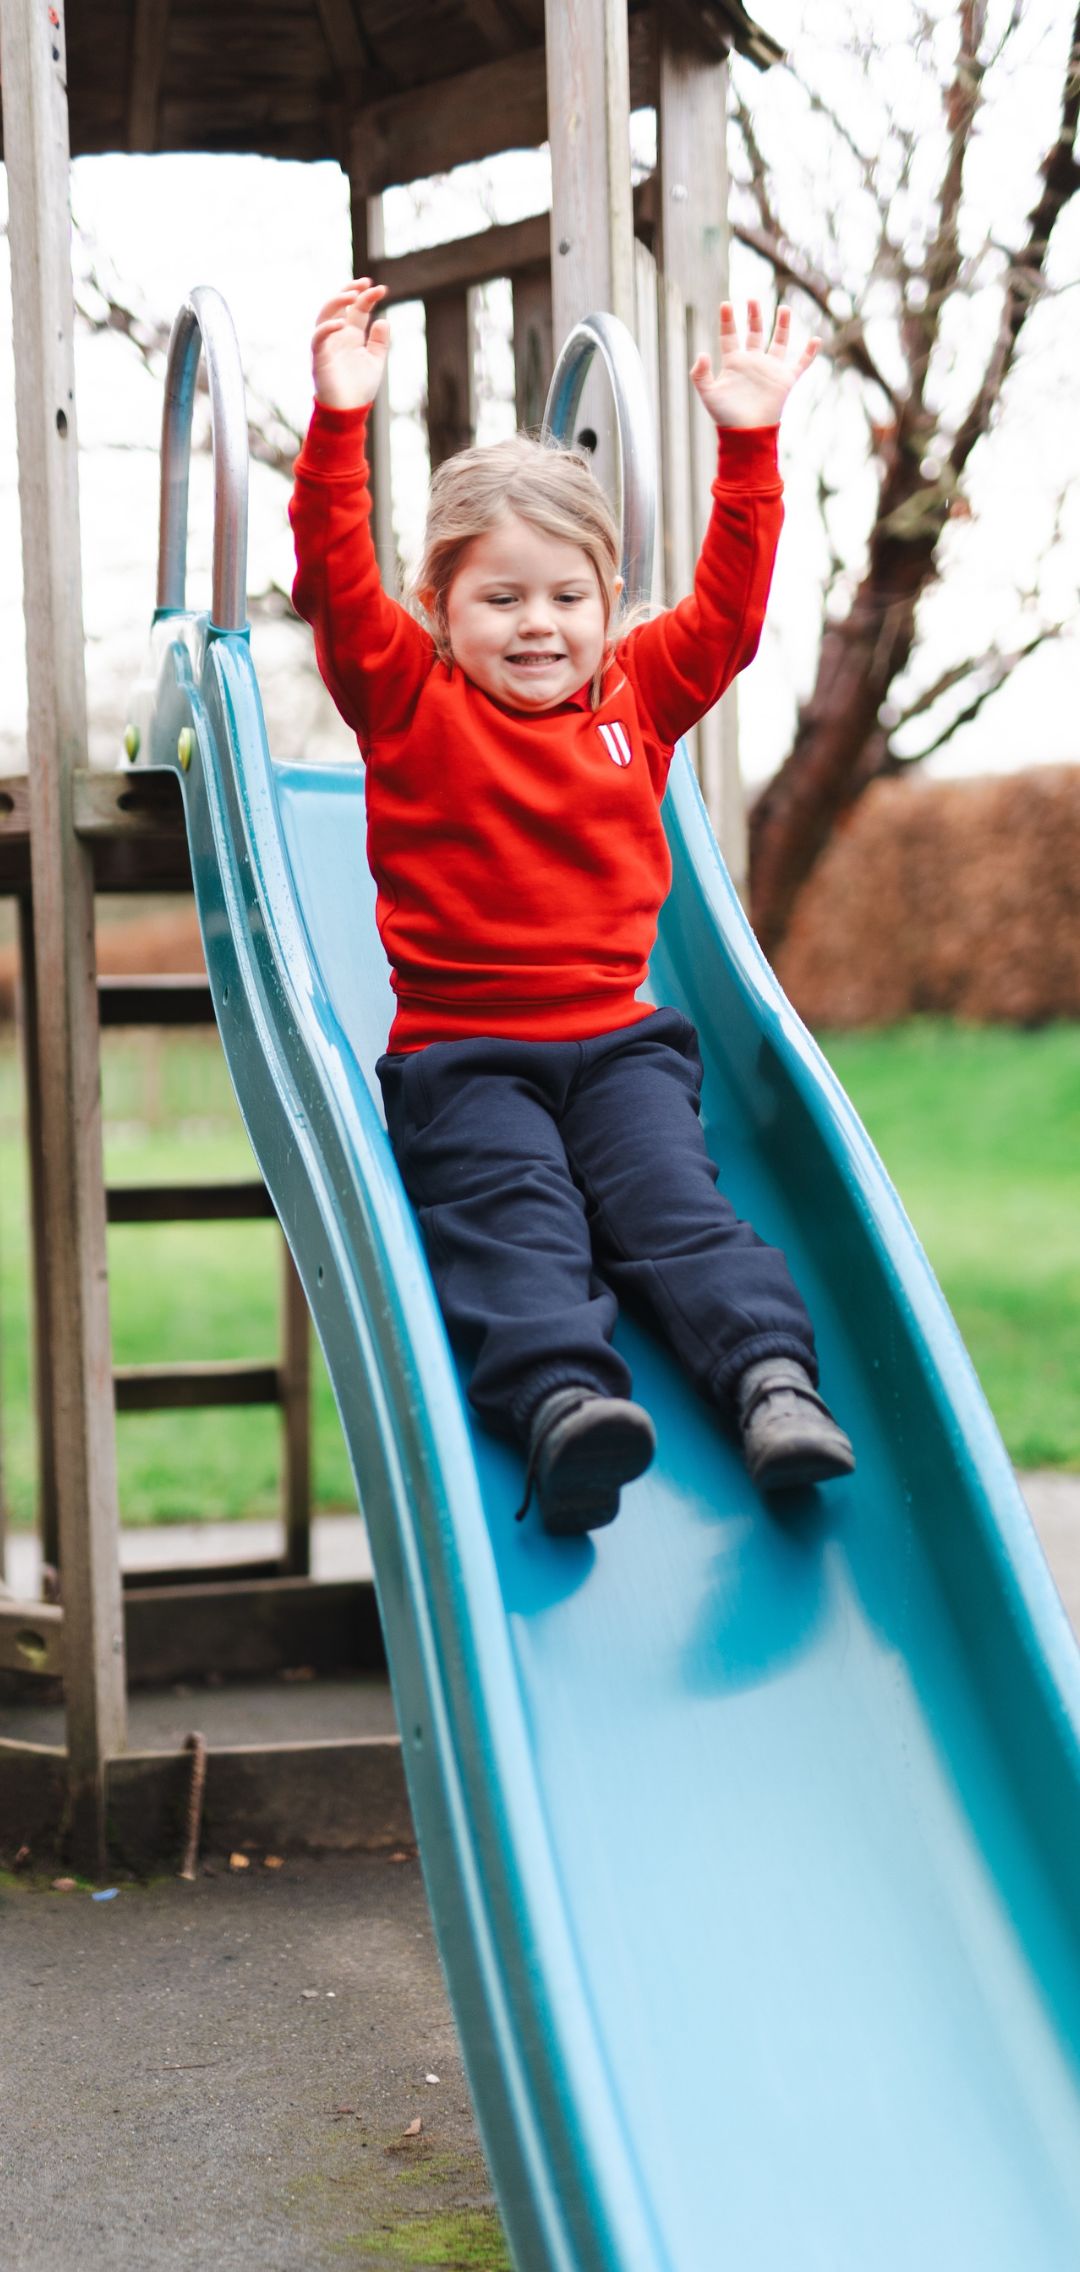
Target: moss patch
x,y
392,2202
466,2240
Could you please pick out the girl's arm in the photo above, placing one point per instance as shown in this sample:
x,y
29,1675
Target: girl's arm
x,y
372,655
681,663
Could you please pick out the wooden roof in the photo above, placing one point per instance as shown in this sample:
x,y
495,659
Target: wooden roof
x,y
282,77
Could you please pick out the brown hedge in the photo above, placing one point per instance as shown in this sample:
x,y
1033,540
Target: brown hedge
x,y
959,897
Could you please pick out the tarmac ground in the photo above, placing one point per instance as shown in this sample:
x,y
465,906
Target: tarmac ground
x,y
255,2072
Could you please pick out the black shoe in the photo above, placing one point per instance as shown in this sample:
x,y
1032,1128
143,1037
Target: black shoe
x,y
582,1449
789,1437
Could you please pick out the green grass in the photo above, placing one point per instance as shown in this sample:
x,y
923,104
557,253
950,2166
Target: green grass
x,y
176,1291
978,1128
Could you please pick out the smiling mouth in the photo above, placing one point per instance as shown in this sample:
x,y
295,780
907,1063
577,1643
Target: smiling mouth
x,y
533,662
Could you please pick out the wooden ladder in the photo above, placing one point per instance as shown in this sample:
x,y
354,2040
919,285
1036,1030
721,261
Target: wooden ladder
x,y
167,1000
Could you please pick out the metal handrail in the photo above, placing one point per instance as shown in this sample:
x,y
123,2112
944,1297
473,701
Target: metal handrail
x,y
606,336
204,326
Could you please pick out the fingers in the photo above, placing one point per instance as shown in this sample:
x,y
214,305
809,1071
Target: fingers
x,y
701,372
731,342
808,356
353,304
778,345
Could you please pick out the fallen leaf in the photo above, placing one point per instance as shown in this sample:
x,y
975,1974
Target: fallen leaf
x,y
298,1672
413,2129
239,1862
273,1862
63,1885
307,1994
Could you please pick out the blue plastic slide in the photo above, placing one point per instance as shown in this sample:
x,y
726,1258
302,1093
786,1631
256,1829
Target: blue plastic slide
x,y
752,1835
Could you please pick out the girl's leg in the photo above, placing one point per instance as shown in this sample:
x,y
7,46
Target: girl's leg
x,y
662,1232
474,1129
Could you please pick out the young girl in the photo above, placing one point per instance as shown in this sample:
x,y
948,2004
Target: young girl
x,y
545,1121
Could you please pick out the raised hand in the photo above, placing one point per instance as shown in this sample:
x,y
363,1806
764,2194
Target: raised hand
x,y
348,347
753,382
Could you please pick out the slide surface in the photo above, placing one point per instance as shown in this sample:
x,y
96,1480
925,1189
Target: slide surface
x,y
752,1837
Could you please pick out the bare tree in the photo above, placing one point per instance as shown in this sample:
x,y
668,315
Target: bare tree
x,y
926,408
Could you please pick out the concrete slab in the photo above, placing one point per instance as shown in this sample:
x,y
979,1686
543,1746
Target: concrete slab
x,y
226,2075
339,1549
256,1711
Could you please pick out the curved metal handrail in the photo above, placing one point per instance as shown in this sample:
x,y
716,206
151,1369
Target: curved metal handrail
x,y
606,336
204,326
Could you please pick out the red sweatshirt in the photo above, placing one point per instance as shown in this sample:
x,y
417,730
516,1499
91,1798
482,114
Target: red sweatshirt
x,y
520,861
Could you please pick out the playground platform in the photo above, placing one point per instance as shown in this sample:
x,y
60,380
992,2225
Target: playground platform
x,y
301,1711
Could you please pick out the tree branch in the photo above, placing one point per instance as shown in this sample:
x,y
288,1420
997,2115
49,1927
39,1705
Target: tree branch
x,y
1025,284
273,439
1000,667
847,345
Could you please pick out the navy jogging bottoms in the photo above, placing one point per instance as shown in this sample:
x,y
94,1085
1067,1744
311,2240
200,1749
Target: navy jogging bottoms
x,y
553,1178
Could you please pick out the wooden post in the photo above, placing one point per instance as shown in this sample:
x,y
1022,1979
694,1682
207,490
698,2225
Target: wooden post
x,y
534,357
592,206
691,252
368,245
32,64
451,416
44,1397
296,1418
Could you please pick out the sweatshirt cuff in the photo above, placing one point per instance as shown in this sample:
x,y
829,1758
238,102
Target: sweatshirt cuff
x,y
334,448
748,458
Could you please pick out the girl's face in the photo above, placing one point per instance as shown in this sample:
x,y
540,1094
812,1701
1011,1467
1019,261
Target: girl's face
x,y
526,616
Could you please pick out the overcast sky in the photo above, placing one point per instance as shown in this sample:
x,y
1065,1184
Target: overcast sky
x,y
274,240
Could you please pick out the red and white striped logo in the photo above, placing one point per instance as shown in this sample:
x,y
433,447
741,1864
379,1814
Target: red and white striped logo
x,y
617,744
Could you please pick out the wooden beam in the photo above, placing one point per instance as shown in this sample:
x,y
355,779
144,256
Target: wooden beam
x,y
345,42
133,805
498,34
342,1797
513,248
185,1388
149,40
166,998
345,1796
250,1629
506,250
501,105
33,71
33,1798
234,1201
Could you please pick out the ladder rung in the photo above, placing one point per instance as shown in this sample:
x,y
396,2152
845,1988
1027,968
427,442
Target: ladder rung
x,y
169,998
233,1202
172,1388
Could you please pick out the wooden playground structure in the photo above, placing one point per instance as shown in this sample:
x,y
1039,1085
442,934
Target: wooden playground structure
x,y
394,94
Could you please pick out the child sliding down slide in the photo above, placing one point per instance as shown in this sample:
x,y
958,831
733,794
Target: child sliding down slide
x,y
517,743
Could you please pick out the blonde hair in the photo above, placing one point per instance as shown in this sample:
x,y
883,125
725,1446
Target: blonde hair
x,y
540,482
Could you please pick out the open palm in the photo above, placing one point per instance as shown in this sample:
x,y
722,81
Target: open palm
x,y
348,347
753,381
